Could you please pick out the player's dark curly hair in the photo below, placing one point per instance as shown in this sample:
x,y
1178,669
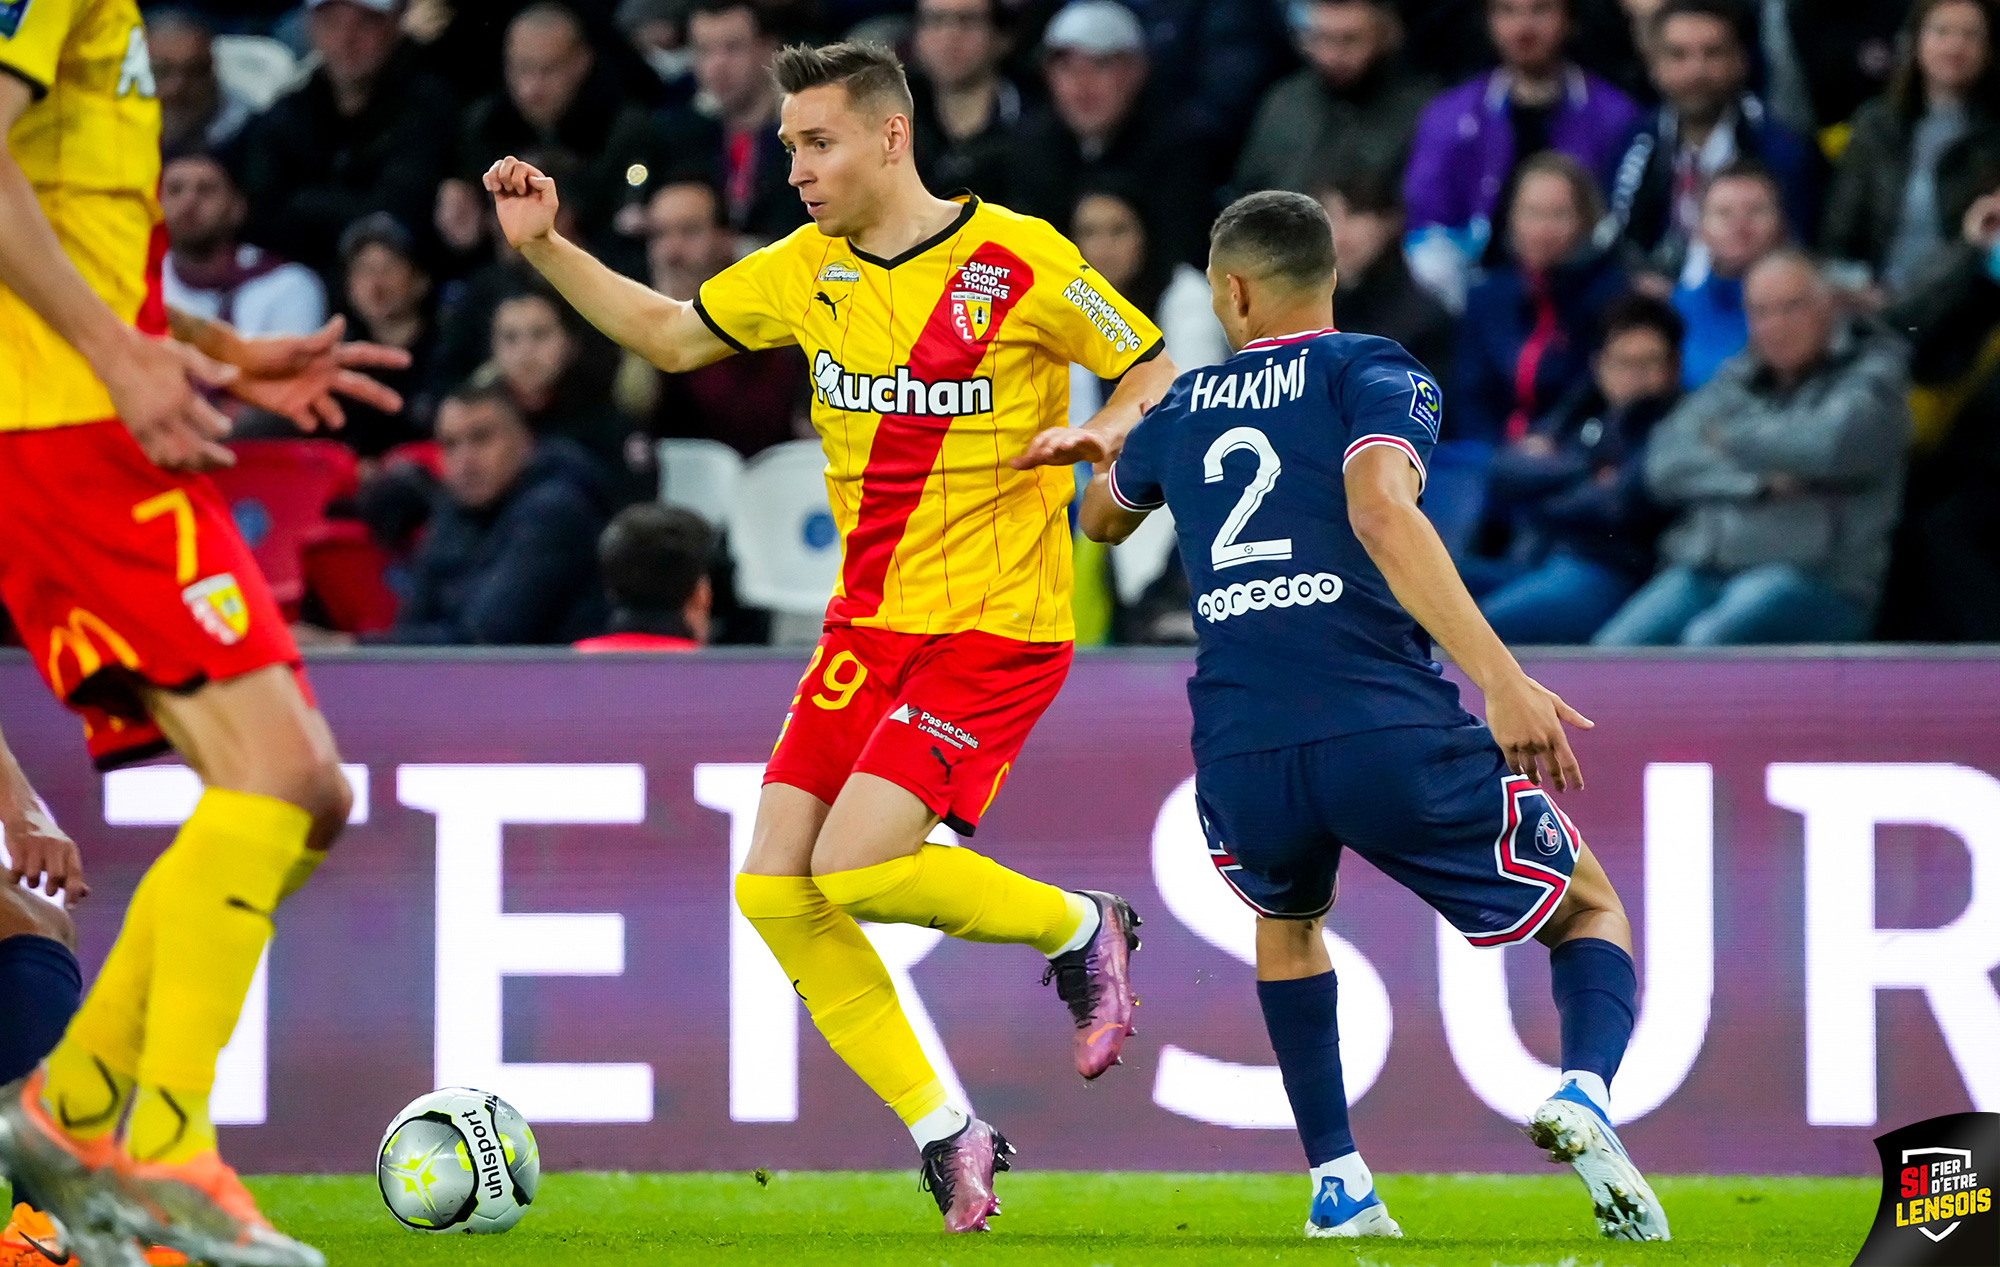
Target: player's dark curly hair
x,y
870,72
1276,234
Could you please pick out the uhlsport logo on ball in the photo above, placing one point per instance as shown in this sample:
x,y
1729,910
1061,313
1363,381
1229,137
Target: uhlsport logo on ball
x,y
458,1160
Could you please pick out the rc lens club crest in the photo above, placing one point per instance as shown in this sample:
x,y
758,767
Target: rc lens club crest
x,y
971,314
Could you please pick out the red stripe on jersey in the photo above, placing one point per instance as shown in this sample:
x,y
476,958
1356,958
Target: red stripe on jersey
x,y
152,315
906,446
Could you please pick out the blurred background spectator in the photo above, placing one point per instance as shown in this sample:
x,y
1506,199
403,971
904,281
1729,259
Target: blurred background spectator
x,y
1946,585
657,31
1377,293
196,111
389,301
1923,150
536,362
966,109
210,272
1573,489
367,132
510,552
727,135
1349,112
750,401
1786,471
1100,124
1529,332
655,559
1471,139
1707,120
1741,223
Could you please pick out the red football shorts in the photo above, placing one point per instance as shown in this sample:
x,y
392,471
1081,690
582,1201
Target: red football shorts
x,y
942,715
119,574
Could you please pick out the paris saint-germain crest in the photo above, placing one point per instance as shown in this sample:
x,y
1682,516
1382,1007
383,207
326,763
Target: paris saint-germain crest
x,y
1548,836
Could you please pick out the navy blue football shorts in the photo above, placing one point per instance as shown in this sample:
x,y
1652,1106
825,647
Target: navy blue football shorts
x,y
1436,810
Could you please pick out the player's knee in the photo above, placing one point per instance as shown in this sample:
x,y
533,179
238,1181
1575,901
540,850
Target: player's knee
x,y
22,915
318,787
1585,912
1289,948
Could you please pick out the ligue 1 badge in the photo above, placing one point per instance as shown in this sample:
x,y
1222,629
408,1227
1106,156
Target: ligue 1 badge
x,y
1938,1181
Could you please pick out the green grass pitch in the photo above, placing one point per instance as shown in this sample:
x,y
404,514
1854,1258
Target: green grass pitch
x,y
1110,1220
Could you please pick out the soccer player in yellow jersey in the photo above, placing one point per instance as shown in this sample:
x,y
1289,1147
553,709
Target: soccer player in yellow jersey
x,y
146,614
939,335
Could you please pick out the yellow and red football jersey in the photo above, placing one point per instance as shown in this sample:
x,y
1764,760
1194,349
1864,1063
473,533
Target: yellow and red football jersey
x,y
929,372
90,145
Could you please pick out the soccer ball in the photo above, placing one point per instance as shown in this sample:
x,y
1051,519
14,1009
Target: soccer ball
x,y
458,1160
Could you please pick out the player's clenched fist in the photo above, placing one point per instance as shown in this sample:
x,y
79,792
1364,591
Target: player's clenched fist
x,y
524,198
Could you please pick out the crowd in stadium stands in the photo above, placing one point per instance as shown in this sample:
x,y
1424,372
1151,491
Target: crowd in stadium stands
x,y
1712,287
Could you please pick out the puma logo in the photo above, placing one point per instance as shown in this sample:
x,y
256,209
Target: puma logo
x,y
830,303
939,754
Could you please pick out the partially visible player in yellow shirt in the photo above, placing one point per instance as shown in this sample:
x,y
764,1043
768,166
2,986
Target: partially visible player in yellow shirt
x,y
939,335
147,615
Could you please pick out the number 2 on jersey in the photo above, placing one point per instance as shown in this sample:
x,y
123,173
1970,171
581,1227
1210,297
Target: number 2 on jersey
x,y
1227,551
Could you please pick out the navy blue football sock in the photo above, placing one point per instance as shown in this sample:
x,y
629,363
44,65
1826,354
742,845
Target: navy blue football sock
x,y
40,988
1299,1015
1597,995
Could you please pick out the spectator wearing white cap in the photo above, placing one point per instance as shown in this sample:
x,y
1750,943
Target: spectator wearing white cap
x,y
1095,126
367,132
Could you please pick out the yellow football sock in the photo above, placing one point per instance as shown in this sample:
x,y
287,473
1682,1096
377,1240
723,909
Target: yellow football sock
x,y
963,893
169,1126
92,1071
84,1094
217,886
301,871
845,987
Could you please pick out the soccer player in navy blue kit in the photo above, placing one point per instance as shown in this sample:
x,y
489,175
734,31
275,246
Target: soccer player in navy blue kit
x,y
41,984
1321,722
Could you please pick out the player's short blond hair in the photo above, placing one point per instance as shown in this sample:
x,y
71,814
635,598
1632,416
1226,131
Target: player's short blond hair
x,y
871,74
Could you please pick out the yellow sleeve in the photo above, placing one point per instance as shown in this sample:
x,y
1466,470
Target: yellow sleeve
x,y
744,303
32,34
1090,323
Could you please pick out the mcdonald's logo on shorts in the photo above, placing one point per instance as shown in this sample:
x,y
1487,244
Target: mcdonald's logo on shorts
x,y
90,643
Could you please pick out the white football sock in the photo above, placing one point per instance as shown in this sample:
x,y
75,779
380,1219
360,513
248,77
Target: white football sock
x,y
942,1122
1352,1172
1591,1085
1092,919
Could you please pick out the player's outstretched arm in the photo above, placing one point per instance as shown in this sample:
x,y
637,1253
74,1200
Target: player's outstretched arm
x,y
149,380
40,854
1526,718
300,377
1101,517
667,332
1100,440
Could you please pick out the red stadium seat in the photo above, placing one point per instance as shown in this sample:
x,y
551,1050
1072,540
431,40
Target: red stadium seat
x,y
344,571
278,493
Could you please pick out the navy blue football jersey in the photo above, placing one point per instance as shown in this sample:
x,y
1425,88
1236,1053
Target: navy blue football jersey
x,y
1301,639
